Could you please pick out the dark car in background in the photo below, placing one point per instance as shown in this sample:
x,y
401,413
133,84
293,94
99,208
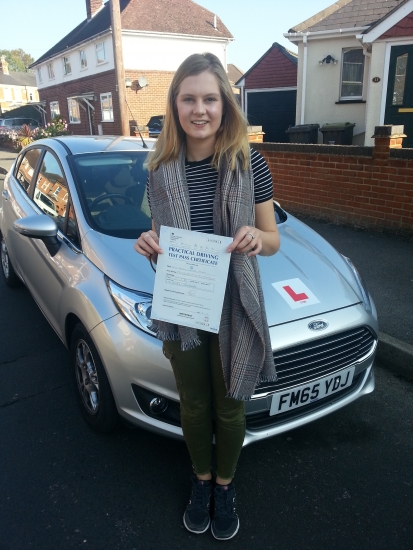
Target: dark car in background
x,y
155,125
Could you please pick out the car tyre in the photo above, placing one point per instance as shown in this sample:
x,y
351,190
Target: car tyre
x,y
10,277
93,390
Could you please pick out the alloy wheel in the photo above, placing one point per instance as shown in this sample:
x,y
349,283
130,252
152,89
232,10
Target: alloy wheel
x,y
87,377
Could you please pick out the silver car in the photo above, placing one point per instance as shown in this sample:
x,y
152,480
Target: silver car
x,y
77,260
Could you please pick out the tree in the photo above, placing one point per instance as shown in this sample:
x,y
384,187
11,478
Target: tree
x,y
18,60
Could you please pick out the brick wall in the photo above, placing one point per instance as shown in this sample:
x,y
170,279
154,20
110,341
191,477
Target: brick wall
x,y
368,187
143,102
150,100
98,84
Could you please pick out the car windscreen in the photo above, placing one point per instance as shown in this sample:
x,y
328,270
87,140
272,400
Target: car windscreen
x,y
112,191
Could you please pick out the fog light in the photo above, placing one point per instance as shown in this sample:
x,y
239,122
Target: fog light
x,y
158,405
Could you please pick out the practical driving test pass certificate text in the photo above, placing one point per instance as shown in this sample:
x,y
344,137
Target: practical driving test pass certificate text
x,y
191,276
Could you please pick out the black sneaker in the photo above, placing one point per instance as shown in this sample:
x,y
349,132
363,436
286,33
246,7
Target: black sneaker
x,y
225,523
196,517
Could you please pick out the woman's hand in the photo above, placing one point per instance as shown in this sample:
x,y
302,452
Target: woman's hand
x,y
247,240
148,245
262,239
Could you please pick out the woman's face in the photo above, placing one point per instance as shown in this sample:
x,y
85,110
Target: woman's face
x,y
200,108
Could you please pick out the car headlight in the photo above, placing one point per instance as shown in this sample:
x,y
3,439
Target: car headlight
x,y
135,306
365,297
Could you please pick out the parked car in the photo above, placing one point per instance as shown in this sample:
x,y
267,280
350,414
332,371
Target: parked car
x,y
155,125
96,292
14,124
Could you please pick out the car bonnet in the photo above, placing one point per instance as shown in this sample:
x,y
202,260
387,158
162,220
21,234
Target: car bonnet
x,y
306,278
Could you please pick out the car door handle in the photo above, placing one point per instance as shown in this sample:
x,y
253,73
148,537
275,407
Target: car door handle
x,y
5,195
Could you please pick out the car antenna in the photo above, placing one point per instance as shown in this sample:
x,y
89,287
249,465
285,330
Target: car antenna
x,y
137,127
143,143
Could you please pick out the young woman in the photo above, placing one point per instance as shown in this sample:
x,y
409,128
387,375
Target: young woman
x,y
204,177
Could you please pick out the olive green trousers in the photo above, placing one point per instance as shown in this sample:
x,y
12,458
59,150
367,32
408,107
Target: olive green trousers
x,y
204,408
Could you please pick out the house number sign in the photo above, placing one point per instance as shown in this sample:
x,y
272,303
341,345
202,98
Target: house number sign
x,y
376,79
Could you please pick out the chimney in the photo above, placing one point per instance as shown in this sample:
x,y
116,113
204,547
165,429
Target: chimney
x,y
4,66
92,7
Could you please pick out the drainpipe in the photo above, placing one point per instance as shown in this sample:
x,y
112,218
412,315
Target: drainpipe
x,y
304,85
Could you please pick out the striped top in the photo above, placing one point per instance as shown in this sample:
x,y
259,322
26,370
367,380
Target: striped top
x,y
202,181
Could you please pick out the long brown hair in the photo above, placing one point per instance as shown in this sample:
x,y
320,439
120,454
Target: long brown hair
x,y
232,140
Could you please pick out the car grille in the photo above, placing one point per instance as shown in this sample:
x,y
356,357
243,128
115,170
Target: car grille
x,y
318,358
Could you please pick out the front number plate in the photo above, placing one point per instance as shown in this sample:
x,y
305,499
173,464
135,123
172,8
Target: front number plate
x,y
299,396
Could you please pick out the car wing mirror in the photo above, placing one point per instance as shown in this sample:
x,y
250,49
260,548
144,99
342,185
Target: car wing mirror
x,y
39,227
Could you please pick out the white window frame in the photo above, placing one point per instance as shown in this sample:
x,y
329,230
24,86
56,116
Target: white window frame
x,y
50,71
7,94
53,110
100,47
39,75
83,60
67,66
72,103
18,95
106,111
352,97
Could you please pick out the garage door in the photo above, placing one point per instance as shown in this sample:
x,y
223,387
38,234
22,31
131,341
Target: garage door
x,y
274,111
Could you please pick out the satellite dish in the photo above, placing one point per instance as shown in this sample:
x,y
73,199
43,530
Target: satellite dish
x,y
142,81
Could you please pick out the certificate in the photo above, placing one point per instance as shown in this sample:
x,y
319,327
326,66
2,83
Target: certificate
x,y
191,276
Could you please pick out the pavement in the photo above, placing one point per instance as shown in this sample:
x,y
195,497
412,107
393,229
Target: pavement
x,y
385,262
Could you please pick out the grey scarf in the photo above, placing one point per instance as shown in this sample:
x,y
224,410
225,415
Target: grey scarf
x,y
244,337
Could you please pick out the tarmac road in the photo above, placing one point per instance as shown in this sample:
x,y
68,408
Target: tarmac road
x,y
345,481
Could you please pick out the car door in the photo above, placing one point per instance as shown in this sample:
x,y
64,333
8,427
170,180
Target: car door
x,y
17,204
48,276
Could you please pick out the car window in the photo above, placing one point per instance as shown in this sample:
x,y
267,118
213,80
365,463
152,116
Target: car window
x,y
51,191
111,188
72,232
26,168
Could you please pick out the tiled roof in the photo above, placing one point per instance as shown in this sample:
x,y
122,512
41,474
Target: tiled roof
x,y
234,73
18,79
288,54
345,14
165,16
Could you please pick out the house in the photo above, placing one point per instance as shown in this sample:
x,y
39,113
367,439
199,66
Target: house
x,y
355,64
268,92
16,88
76,78
234,74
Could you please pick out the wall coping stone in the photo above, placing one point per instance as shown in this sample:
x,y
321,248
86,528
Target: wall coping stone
x,y
317,149
406,154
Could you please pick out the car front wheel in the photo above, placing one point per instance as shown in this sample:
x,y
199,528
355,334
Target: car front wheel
x,y
9,274
93,389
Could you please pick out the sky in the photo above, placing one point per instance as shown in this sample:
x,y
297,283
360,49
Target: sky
x,y
254,25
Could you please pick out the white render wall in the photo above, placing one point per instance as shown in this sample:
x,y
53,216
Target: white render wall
x,y
159,52
323,85
92,67
376,90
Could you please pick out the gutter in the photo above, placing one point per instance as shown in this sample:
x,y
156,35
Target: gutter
x,y
297,36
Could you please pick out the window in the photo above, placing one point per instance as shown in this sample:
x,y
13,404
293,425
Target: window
x,y
17,94
67,67
107,108
30,96
50,182
400,79
74,111
7,94
39,75
26,167
83,60
100,53
50,71
352,74
54,109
